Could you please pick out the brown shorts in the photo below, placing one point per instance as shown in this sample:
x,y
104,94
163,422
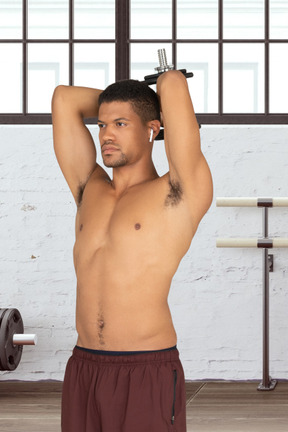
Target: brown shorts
x,y
108,391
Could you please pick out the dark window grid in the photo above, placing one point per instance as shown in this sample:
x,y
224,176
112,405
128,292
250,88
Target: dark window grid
x,y
122,58
122,64
221,117
230,118
42,118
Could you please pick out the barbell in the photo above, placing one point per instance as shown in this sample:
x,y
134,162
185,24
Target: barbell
x,y
12,339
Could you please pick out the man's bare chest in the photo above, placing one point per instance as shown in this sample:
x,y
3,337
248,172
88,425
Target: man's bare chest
x,y
139,220
136,230
105,217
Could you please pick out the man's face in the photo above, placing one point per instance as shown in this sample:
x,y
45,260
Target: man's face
x,y
123,137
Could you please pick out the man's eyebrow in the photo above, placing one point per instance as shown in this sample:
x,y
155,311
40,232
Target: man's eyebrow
x,y
116,120
121,118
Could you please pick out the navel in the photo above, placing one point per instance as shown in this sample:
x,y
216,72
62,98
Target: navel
x,y
137,226
101,325
81,227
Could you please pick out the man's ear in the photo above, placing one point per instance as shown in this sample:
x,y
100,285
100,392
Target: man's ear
x,y
153,125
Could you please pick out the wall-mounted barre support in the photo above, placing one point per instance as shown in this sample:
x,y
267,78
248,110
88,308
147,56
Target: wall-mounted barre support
x,y
265,243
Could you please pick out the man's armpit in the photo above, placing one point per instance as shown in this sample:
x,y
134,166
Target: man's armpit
x,y
175,194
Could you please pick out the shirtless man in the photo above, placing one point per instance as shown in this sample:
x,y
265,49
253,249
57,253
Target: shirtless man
x,y
131,234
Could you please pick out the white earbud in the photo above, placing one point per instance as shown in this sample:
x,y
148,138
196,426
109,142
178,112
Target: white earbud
x,y
151,135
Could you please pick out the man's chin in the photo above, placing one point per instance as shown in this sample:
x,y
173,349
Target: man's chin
x,y
115,163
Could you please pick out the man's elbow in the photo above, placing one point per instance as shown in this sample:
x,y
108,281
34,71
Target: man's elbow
x,y
58,96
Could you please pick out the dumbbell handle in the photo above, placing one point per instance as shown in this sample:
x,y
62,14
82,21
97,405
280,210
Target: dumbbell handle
x,y
24,339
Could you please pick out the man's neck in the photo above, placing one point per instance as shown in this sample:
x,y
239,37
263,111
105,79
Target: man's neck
x,y
126,177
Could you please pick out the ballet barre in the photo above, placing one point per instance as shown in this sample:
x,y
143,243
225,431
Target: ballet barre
x,y
238,242
265,243
251,202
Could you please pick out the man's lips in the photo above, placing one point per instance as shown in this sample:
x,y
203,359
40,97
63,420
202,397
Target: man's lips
x,y
107,148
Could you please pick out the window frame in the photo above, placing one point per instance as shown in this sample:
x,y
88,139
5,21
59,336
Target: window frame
x,y
122,64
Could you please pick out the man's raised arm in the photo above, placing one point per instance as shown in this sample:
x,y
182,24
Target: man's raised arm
x,y
73,144
187,165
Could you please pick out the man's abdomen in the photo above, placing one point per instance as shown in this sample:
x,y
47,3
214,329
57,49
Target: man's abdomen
x,y
123,318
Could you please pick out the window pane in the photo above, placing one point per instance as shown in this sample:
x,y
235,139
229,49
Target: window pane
x,y
144,58
197,19
243,20
279,19
278,78
47,68
48,20
10,78
94,20
243,78
202,60
11,19
94,65
151,19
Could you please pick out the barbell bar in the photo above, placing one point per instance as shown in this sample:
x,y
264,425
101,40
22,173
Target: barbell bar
x,y
25,339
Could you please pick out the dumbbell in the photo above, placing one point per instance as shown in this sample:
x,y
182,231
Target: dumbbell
x,y
163,67
152,79
12,339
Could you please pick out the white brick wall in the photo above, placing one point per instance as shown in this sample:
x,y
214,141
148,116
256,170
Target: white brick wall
x,y
216,295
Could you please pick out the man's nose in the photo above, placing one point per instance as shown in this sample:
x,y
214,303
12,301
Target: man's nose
x,y
108,133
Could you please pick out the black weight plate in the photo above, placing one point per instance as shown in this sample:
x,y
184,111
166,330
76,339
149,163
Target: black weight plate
x,y
10,355
152,79
2,312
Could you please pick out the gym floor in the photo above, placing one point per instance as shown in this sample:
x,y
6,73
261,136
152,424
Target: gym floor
x,y
211,407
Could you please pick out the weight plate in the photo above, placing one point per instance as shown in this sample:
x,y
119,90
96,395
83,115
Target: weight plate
x,y
2,312
10,355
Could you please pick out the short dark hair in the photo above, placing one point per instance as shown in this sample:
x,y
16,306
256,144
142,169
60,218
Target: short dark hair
x,y
142,98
